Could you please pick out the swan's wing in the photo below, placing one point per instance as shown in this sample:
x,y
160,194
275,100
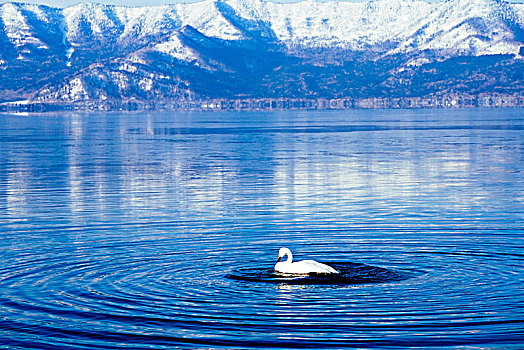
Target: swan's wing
x,y
303,267
315,266
290,268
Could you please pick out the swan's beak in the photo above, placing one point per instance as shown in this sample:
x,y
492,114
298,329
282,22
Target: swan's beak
x,y
279,258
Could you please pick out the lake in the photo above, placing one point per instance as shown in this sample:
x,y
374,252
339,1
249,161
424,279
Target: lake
x,y
161,230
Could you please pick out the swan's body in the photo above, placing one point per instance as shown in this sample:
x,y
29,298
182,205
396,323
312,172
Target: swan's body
x,y
300,267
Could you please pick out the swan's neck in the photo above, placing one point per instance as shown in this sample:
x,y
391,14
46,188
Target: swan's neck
x,y
289,257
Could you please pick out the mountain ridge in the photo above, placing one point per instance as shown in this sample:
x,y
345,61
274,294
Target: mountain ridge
x,y
234,49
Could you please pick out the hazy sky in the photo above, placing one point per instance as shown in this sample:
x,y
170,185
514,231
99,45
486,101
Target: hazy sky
x,y
65,3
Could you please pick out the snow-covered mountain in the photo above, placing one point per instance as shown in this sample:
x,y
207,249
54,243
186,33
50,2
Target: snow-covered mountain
x,y
253,48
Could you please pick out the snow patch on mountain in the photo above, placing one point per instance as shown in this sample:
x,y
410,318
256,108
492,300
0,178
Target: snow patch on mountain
x,y
123,24
89,21
17,28
208,20
75,90
175,48
519,12
144,21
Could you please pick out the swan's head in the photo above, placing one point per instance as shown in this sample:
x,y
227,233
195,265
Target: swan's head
x,y
283,252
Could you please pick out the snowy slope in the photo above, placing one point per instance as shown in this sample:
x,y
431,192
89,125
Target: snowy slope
x,y
457,26
29,28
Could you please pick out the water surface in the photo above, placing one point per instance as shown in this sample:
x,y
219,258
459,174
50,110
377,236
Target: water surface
x,y
133,231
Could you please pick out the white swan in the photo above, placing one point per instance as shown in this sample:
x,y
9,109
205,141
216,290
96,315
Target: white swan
x,y
300,267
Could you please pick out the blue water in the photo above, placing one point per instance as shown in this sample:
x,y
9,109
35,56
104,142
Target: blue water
x,y
160,231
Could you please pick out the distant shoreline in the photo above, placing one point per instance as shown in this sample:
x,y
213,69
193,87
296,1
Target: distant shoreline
x,y
263,104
